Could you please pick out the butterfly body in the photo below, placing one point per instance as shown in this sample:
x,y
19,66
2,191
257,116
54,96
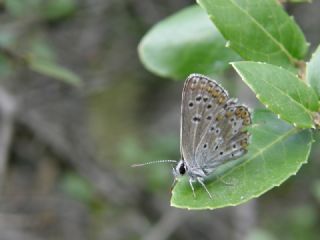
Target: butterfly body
x,y
212,129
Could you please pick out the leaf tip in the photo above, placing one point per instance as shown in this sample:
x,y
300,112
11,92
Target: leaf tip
x,y
233,64
308,44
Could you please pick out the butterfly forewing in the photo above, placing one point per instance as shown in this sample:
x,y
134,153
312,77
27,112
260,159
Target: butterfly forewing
x,y
212,125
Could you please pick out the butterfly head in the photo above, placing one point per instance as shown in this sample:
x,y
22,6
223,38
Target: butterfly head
x,y
180,169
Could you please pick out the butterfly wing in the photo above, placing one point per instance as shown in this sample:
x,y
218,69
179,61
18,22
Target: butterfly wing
x,y
211,123
232,137
197,111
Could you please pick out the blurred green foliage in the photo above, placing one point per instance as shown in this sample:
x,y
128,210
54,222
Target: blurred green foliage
x,y
185,43
77,187
34,50
296,223
156,177
52,10
59,9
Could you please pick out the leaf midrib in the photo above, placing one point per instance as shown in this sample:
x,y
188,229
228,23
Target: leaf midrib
x,y
260,152
276,42
291,58
305,109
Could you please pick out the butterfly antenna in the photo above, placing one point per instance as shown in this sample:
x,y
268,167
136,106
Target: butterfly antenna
x,y
159,161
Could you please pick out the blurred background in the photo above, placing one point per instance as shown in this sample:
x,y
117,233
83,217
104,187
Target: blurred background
x,y
66,146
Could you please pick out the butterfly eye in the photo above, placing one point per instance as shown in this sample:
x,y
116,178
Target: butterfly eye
x,y
182,169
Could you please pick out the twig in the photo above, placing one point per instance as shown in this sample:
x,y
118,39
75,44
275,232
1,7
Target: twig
x,y
74,147
170,220
7,110
244,219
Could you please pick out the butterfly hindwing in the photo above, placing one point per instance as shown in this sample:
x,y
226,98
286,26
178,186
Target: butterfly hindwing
x,y
234,138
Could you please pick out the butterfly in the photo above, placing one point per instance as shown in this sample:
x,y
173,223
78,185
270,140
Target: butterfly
x,y
213,130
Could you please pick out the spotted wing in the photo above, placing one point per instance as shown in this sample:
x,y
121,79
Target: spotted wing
x,y
226,138
211,124
202,99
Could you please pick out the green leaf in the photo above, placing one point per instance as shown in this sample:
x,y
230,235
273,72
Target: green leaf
x,y
298,1
280,91
313,71
41,49
316,190
259,30
57,9
276,152
77,187
19,8
7,38
53,70
184,43
6,67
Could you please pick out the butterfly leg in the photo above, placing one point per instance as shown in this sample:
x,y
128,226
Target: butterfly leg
x,y
190,182
200,180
